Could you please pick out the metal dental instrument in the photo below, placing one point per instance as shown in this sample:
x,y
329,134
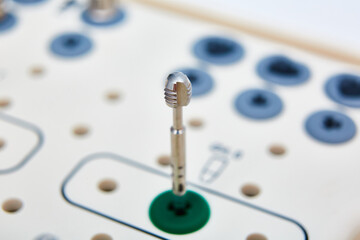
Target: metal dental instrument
x,y
178,94
103,10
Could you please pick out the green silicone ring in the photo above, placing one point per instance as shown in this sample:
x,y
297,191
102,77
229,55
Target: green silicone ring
x,y
179,215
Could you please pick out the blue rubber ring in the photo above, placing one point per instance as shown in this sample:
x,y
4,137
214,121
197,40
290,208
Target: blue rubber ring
x,y
282,70
218,50
8,22
118,17
344,89
330,127
28,2
202,83
258,104
71,45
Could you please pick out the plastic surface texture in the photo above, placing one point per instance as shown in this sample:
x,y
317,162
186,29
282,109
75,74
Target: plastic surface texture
x,y
127,208
218,50
330,127
71,45
344,89
282,70
116,93
258,104
192,214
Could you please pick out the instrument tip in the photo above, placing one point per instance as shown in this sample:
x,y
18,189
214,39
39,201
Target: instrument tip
x,y
177,90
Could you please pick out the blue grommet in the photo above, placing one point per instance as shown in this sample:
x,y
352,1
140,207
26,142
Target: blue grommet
x,y
344,89
218,50
330,127
258,104
71,45
29,1
282,70
7,22
201,81
118,17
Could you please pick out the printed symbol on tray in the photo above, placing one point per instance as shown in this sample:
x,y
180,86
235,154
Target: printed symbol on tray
x,y
220,157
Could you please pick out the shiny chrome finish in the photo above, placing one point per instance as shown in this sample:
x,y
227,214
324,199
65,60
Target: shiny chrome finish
x,y
102,10
178,94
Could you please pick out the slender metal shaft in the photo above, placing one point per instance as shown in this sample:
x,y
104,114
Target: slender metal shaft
x,y
177,94
177,118
178,152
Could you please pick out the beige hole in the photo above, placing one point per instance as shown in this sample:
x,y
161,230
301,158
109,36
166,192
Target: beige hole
x,y
256,236
12,205
107,185
101,236
250,190
113,95
4,102
2,143
164,160
196,122
277,149
81,130
37,71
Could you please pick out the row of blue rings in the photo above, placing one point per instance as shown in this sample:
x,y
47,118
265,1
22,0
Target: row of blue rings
x,y
10,20
342,88
325,126
223,51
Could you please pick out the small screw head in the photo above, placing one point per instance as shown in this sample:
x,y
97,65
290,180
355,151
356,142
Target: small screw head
x,y
177,90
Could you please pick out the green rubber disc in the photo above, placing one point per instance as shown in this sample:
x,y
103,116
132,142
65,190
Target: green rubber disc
x,y
179,215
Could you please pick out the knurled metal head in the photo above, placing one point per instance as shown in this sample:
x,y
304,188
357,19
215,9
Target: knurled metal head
x,y
102,4
177,90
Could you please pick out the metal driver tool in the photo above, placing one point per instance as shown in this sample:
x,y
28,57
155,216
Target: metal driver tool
x,y
177,95
103,10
